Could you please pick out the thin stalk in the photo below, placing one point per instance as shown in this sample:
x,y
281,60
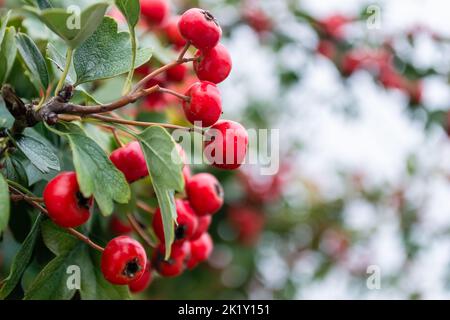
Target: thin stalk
x,y
127,86
137,228
65,71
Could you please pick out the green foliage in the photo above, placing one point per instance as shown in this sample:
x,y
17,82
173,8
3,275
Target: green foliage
x,y
73,29
4,203
33,59
165,167
21,260
106,54
97,176
131,10
8,52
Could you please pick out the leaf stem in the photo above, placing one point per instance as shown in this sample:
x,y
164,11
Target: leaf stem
x,y
127,86
65,71
137,228
174,93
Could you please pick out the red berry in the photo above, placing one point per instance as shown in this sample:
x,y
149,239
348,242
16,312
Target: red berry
x,y
213,65
65,204
173,33
131,161
118,227
156,101
205,194
177,73
176,263
186,222
155,12
247,222
143,282
200,28
123,260
203,223
333,26
205,104
226,145
200,250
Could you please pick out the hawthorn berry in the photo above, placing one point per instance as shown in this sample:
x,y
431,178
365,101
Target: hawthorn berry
x,y
200,28
172,32
205,194
123,260
131,161
226,144
203,223
155,12
65,204
176,73
186,168
118,227
204,105
213,65
143,282
200,250
176,263
247,222
186,222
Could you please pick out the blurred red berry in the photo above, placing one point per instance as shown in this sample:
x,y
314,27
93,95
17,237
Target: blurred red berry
x,y
155,12
172,32
226,145
203,223
177,73
118,227
247,222
201,249
131,161
333,26
205,194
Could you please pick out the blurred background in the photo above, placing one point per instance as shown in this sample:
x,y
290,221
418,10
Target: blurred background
x,y
359,91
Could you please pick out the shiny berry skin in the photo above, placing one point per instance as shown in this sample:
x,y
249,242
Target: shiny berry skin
x,y
131,161
213,65
65,204
172,32
205,104
118,227
200,28
141,284
203,223
123,260
176,263
226,145
186,222
205,194
155,12
200,250
177,73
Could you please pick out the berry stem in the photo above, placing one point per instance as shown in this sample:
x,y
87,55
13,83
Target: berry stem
x,y
136,123
145,207
174,93
183,52
137,228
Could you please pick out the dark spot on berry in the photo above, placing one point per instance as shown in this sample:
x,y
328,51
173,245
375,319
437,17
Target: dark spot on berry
x,y
132,267
82,201
180,232
219,190
210,17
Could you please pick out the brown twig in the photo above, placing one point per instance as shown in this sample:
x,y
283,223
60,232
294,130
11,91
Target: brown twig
x,y
136,123
174,93
72,231
20,197
137,228
145,207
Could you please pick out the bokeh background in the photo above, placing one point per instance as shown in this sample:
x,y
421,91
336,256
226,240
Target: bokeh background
x,y
361,107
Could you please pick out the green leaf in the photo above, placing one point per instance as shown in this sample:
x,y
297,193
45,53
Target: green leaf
x,y
131,9
15,171
8,50
21,260
33,59
44,4
96,174
165,167
40,155
4,203
4,23
73,29
106,54
6,119
51,282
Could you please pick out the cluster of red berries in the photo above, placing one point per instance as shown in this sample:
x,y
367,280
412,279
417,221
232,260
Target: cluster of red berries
x,y
378,61
124,260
